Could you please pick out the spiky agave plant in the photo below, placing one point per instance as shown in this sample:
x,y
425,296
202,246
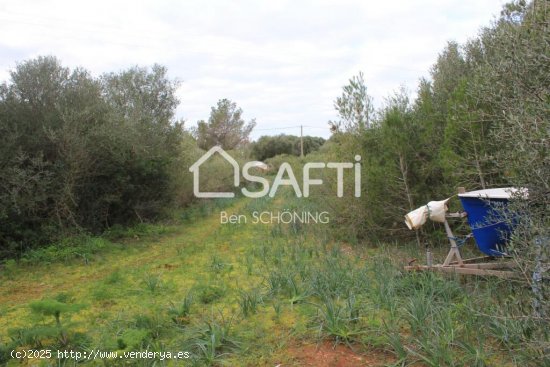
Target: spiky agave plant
x,y
211,341
180,312
336,322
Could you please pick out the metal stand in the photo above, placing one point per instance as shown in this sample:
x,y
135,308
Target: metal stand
x,y
454,251
455,264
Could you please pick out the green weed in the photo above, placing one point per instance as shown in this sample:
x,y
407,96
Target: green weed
x,y
153,323
54,333
249,301
83,247
335,321
209,293
218,266
153,282
211,341
9,269
180,312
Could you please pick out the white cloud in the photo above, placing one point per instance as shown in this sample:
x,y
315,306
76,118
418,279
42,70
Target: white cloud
x,y
283,62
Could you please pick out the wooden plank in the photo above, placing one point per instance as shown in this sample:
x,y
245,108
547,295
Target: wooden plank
x,y
472,260
482,272
465,271
494,265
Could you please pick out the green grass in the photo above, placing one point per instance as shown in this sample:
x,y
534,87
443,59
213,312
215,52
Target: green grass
x,y
243,294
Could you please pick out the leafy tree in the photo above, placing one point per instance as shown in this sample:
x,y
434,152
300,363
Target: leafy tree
x,y
145,143
399,136
431,136
354,107
447,74
140,95
465,153
225,127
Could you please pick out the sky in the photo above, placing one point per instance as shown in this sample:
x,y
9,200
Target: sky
x,y
283,62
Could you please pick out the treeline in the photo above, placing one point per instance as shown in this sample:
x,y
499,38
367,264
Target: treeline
x,y
270,146
79,153
481,120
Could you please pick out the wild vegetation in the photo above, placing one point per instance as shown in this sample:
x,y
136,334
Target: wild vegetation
x,y
249,298
270,146
82,153
480,121
104,247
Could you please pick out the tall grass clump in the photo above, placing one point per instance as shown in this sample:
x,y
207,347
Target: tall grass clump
x,y
339,320
180,312
211,342
249,301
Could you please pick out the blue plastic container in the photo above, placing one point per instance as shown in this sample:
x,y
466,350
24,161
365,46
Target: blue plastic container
x,y
485,216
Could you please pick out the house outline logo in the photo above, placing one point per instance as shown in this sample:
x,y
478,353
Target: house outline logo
x,y
195,170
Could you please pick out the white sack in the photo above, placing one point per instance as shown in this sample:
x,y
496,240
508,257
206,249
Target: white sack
x,y
435,210
417,217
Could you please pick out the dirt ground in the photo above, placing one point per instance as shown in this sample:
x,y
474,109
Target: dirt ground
x,y
326,354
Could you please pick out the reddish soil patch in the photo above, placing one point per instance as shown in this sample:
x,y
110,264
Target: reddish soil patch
x,y
20,293
328,355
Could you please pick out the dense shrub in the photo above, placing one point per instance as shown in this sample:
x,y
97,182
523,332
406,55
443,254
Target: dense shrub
x,y
78,152
480,121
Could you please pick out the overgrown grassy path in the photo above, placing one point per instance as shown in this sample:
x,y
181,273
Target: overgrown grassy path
x,y
136,256
246,294
131,296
